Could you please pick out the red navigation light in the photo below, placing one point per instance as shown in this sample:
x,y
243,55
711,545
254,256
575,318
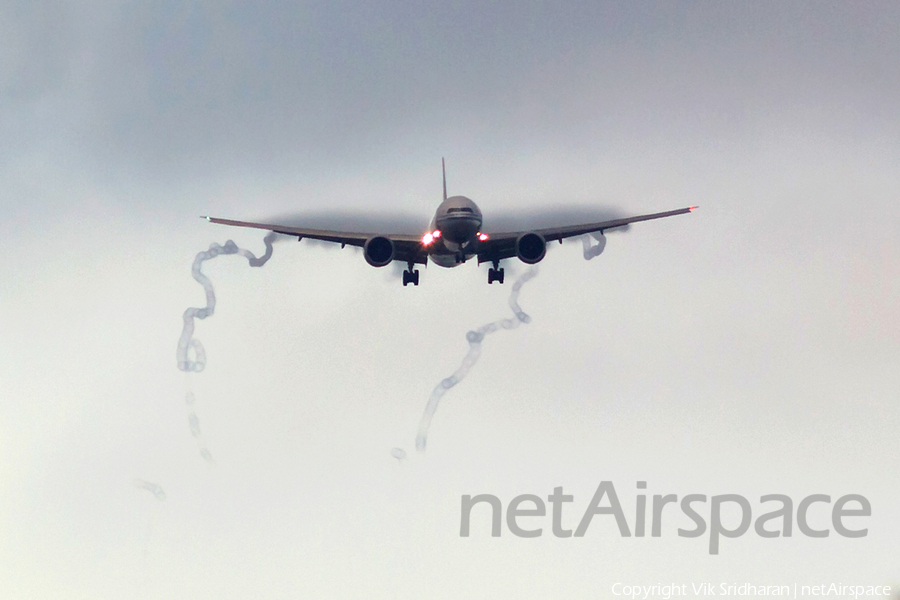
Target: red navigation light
x,y
483,237
436,233
427,239
693,208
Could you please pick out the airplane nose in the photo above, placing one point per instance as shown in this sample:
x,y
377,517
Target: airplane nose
x,y
458,229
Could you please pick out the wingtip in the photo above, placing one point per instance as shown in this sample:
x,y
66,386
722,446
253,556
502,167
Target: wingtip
x,y
205,217
693,208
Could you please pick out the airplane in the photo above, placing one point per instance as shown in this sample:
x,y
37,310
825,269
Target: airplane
x,y
454,235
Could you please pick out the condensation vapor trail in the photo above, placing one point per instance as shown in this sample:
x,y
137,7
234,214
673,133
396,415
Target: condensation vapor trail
x,y
194,424
153,488
474,338
595,250
187,344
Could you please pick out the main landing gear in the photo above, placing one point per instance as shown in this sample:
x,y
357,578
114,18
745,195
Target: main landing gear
x,y
411,276
495,273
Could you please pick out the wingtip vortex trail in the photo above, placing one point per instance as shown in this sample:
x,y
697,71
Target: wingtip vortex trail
x,y
153,488
475,339
190,354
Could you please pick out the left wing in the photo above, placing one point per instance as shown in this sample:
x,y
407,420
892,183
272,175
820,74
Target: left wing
x,y
407,248
503,245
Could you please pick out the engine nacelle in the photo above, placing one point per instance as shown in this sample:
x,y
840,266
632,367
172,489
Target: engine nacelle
x,y
379,251
531,248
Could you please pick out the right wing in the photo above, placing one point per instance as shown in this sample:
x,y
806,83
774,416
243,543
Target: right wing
x,y
503,245
407,248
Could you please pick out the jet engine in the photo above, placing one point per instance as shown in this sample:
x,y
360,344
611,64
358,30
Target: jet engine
x,y
531,248
379,251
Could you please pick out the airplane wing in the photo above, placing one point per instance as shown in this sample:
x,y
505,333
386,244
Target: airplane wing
x,y
503,245
407,248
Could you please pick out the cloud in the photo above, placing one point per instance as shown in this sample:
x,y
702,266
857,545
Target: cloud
x,y
188,90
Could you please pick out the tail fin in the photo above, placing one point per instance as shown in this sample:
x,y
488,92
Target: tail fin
x,y
444,171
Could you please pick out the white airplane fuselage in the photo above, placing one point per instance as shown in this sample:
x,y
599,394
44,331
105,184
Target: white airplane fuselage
x,y
458,221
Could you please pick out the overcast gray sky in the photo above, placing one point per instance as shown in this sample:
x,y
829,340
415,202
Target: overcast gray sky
x,y
748,348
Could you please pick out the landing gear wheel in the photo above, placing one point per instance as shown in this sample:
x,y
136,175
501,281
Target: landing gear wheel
x,y
495,275
411,277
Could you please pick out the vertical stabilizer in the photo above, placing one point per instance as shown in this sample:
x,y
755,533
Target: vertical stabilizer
x,y
444,172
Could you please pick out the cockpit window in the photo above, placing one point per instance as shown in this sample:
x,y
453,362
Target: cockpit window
x,y
463,209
